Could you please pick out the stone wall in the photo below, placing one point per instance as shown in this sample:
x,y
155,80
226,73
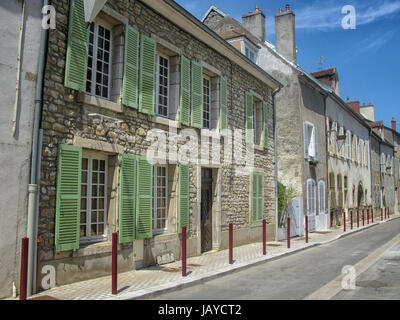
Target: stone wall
x,y
66,118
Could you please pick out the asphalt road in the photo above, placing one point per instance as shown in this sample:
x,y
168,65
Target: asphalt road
x,y
297,276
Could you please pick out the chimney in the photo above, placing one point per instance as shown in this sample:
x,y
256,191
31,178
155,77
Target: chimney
x,y
255,23
394,124
355,105
285,32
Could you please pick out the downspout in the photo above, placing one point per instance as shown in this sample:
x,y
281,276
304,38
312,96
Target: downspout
x,y
33,186
276,161
370,164
327,191
18,82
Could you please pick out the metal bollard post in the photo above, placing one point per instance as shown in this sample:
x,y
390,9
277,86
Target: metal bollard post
x,y
183,251
358,218
372,214
351,219
306,229
363,217
264,237
381,214
114,263
231,243
24,268
388,212
288,232
367,216
344,221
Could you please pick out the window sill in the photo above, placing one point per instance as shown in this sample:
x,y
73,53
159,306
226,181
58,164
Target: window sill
x,y
259,148
89,248
166,121
99,102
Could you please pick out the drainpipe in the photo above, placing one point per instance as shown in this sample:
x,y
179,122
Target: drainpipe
x,y
276,161
18,83
33,186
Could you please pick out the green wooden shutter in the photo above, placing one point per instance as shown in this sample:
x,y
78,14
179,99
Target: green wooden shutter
x,y
127,198
185,92
131,68
68,201
147,75
257,197
223,104
183,206
144,200
249,117
77,48
260,197
197,95
265,124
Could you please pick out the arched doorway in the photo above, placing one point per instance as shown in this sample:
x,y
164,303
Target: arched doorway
x,y
360,195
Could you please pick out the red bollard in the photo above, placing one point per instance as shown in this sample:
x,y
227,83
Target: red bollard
x,y
183,251
351,219
372,214
344,221
288,233
367,216
24,268
363,218
306,229
231,243
264,237
114,263
385,213
381,214
358,218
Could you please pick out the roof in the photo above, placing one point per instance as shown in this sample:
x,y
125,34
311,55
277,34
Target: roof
x,y
210,9
190,24
324,73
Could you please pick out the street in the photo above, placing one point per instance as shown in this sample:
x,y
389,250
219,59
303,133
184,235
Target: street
x,y
303,274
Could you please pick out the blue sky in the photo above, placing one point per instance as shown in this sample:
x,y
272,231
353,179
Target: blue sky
x,y
367,58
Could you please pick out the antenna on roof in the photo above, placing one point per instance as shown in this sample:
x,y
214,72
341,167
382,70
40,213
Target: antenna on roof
x,y
320,63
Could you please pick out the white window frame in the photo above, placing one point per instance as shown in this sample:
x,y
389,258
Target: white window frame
x,y
322,202
348,145
93,80
205,77
155,186
90,156
159,54
311,211
310,140
250,52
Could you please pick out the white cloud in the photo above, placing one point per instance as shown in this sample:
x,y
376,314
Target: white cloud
x,y
325,16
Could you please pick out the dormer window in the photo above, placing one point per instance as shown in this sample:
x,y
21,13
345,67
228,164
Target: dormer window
x,y
250,54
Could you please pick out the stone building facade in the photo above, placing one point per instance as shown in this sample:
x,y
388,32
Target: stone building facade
x,y
301,146
20,27
153,59
349,164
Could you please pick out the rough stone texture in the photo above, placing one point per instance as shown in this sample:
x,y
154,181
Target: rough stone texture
x,y
65,118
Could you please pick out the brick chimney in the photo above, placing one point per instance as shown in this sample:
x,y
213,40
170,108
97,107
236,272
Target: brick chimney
x,y
394,124
355,105
285,31
255,23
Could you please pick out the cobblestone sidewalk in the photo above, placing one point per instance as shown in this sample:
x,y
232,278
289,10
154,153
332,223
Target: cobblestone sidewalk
x,y
148,282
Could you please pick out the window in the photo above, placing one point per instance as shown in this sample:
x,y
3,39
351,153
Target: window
x,y
93,197
163,67
250,54
206,102
160,199
349,145
310,141
321,193
311,197
258,121
341,133
98,80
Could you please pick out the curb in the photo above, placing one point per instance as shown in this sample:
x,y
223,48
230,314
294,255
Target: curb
x,y
188,282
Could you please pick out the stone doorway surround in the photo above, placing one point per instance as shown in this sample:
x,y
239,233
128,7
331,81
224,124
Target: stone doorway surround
x,y
216,207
